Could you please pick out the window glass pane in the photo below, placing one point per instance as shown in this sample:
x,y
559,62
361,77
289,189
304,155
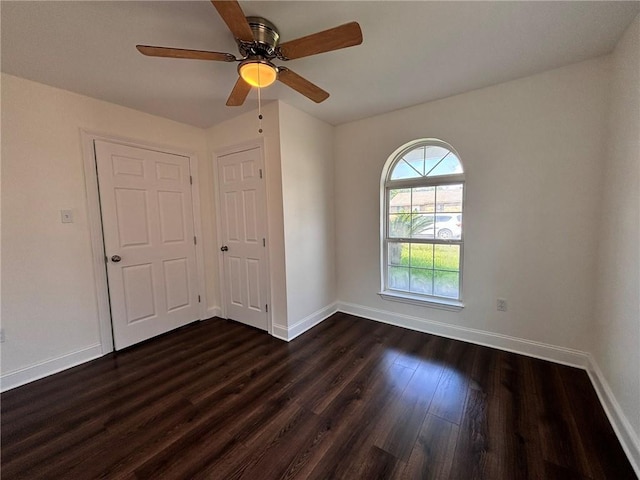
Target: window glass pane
x,y
449,198
422,225
423,199
422,255
446,257
446,284
398,253
415,158
448,165
448,226
399,200
415,154
422,281
399,278
403,170
433,157
400,225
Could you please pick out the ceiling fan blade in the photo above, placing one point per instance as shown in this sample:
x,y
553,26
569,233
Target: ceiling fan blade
x,y
239,93
152,51
233,16
347,35
302,85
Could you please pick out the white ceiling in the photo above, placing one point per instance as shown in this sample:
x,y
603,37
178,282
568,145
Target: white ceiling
x,y
413,52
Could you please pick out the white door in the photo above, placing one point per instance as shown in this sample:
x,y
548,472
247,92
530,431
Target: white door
x,y
243,224
147,221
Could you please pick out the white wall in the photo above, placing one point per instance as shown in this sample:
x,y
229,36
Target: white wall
x,y
49,309
299,175
240,130
306,149
533,151
617,336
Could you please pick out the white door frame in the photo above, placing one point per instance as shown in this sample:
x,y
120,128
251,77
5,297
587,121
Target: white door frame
x,y
220,152
95,224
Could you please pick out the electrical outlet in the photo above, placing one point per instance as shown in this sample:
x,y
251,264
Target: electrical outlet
x,y
1,335
66,216
501,305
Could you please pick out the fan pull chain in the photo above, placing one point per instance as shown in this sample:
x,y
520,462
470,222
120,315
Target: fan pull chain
x,y
259,105
259,112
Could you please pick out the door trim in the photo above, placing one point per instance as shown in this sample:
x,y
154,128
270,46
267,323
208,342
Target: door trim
x,y
221,152
95,224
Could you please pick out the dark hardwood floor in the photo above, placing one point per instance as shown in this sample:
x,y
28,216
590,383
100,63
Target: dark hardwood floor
x,y
350,399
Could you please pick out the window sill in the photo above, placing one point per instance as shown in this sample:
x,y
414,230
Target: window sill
x,y
440,303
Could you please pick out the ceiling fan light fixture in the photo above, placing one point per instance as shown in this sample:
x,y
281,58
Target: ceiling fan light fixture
x,y
258,73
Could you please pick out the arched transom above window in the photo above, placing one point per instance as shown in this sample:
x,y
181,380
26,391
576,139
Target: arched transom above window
x,y
425,160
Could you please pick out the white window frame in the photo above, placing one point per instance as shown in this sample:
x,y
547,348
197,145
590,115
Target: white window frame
x,y
386,184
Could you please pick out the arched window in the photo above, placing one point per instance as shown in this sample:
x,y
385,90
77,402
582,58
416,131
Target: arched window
x,y
422,225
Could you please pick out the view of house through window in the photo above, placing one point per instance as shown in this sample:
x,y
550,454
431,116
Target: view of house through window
x,y
423,212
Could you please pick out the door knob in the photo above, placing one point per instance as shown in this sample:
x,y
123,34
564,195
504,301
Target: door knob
x,y
224,248
116,258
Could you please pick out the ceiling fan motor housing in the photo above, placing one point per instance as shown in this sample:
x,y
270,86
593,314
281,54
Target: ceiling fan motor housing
x,y
266,38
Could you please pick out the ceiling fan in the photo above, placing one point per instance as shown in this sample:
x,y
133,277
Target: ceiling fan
x,y
258,42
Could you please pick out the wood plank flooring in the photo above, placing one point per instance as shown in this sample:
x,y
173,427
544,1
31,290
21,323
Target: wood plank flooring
x,y
350,399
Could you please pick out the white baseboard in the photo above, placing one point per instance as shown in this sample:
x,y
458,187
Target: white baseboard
x,y
49,367
213,312
280,331
565,356
621,425
308,322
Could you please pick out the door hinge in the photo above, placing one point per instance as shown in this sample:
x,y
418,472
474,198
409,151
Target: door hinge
x,y
198,298
264,242
190,180
266,307
195,241
260,173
